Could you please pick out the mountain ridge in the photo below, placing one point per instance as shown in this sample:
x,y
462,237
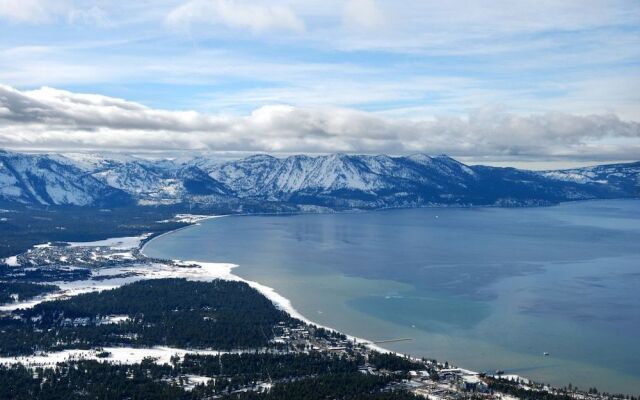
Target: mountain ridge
x,y
334,181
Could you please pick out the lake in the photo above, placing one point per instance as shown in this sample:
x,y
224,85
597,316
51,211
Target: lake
x,y
484,288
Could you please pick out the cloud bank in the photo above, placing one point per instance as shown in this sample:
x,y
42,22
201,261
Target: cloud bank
x,y
52,119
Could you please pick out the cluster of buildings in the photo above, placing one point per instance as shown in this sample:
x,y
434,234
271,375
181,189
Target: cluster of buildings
x,y
61,254
434,381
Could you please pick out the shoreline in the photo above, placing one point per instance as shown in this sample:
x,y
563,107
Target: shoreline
x,y
286,305
270,293
148,239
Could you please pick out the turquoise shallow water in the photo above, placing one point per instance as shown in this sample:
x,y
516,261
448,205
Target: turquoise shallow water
x,y
486,288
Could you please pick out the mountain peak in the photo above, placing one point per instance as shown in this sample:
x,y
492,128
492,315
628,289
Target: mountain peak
x,y
420,158
260,157
445,157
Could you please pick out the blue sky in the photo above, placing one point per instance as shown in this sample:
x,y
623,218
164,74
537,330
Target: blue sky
x,y
498,81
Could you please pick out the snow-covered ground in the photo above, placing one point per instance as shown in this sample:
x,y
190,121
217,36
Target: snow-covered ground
x,y
121,243
125,275
114,319
513,377
12,261
120,355
118,243
126,255
190,218
194,380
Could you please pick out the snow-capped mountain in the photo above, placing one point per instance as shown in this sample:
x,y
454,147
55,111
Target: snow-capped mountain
x,y
419,180
150,181
263,174
156,182
335,181
45,180
340,179
624,178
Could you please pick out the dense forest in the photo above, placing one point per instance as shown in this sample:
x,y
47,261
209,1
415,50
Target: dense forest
x,y
392,362
353,386
22,291
330,377
258,366
169,312
513,389
43,274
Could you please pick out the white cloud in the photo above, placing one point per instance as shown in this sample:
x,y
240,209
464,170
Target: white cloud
x,y
93,15
59,120
235,14
49,11
31,11
362,14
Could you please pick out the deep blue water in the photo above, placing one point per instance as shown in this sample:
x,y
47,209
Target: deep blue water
x,y
486,288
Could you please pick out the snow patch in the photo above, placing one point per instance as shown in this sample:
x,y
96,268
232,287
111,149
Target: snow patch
x,y
121,243
12,261
118,355
114,319
190,218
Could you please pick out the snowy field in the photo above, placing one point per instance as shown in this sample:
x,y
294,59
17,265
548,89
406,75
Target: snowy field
x,y
120,355
129,274
122,243
190,218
